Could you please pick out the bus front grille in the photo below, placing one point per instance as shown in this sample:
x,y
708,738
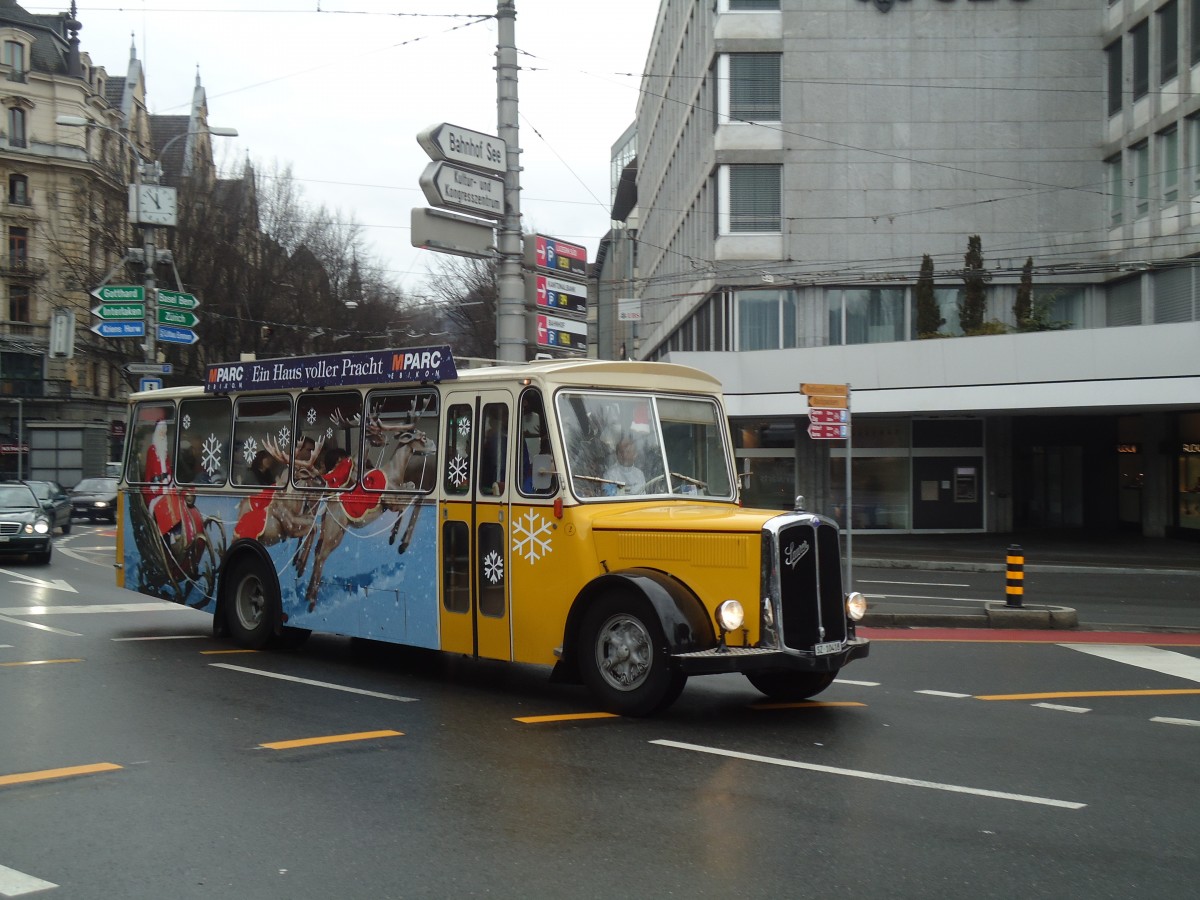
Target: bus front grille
x,y
810,581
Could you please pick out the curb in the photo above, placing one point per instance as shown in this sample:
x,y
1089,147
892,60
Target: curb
x,y
946,565
1043,618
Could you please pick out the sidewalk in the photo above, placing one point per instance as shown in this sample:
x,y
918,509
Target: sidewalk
x,y
1058,551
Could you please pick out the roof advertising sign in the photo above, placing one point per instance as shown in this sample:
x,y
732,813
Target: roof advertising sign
x,y
333,369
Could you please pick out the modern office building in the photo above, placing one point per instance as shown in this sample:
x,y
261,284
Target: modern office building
x,y
982,215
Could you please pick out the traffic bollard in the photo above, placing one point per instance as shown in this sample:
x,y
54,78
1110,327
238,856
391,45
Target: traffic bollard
x,y
1015,585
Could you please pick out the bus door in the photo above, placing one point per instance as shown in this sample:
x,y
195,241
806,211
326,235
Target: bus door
x,y
474,528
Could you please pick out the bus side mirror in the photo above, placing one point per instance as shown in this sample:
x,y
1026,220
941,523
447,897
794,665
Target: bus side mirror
x,y
543,472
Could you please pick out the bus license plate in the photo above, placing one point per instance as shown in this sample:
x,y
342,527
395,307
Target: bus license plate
x,y
827,648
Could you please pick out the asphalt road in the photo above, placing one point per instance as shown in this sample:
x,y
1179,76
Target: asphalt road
x,y
141,758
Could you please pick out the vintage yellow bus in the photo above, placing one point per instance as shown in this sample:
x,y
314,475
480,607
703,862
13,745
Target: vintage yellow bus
x,y
581,514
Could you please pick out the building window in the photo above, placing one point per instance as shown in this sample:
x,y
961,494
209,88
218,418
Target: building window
x,y
18,303
752,5
1115,60
766,320
750,87
1174,295
18,190
1193,137
1141,176
1194,33
1168,42
750,199
16,128
1141,59
14,58
18,247
1123,303
1168,164
1116,190
866,316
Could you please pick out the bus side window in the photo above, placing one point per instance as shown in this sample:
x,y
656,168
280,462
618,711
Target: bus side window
x,y
204,441
153,443
459,432
493,452
400,453
538,477
262,428
333,422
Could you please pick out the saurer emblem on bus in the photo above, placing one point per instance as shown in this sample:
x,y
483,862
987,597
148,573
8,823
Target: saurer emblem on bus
x,y
584,515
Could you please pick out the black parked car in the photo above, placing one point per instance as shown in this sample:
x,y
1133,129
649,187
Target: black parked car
x,y
95,498
55,502
24,526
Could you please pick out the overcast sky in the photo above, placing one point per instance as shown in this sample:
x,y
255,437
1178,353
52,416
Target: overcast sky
x,y
339,89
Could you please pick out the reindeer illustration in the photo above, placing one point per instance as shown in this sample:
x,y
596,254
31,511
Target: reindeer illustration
x,y
273,515
398,443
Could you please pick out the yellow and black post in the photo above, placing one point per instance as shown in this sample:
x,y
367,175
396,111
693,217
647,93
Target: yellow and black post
x,y
1015,585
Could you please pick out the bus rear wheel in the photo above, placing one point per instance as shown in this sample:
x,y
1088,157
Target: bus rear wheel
x,y
251,609
785,686
624,660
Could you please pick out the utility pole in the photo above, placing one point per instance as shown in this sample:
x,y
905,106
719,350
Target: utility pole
x,y
148,279
510,282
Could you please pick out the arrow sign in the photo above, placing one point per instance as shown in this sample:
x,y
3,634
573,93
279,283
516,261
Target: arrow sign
x,y
830,390
461,145
834,402
828,432
177,299
120,310
453,187
120,329
177,317
129,293
173,335
147,368
56,584
822,416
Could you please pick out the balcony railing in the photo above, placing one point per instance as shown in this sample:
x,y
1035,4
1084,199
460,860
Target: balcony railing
x,y
22,267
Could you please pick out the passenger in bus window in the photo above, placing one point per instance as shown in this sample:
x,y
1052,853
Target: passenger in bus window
x,y
264,469
624,476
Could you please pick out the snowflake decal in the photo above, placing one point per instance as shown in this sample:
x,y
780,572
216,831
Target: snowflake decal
x,y
493,567
458,471
249,449
285,436
210,455
531,536
329,432
311,417
464,427
187,422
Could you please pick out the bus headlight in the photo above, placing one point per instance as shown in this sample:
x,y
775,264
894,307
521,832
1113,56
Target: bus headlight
x,y
856,606
730,615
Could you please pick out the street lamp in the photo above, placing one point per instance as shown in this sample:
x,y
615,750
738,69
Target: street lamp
x,y
147,219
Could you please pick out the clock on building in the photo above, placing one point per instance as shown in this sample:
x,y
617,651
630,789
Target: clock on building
x,y
152,204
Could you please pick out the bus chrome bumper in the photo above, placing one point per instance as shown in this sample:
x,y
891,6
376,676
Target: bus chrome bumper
x,y
747,659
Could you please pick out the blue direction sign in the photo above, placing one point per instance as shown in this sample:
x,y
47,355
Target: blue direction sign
x,y
120,329
175,335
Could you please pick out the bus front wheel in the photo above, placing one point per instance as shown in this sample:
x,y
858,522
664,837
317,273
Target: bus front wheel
x,y
623,658
250,607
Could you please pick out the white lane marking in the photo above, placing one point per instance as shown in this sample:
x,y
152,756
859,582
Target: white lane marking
x,y
165,637
928,597
1061,708
63,631
1168,662
56,584
89,554
151,606
859,683
17,884
1167,720
873,776
5,646
943,694
323,684
913,583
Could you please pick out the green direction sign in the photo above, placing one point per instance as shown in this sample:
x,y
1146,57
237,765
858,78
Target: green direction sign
x,y
177,317
120,293
120,311
177,300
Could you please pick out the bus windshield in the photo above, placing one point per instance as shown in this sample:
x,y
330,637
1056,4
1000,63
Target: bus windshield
x,y
627,444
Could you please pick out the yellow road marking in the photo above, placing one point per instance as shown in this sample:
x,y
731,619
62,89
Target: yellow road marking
x,y
569,717
40,662
806,704
47,774
1059,695
330,739
215,652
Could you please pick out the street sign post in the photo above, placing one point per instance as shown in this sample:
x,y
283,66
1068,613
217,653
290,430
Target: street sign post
x,y
453,187
121,293
825,390
557,295
825,416
173,335
177,300
149,383
462,145
828,432
829,402
120,310
120,329
445,232
561,334
561,258
147,368
168,316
